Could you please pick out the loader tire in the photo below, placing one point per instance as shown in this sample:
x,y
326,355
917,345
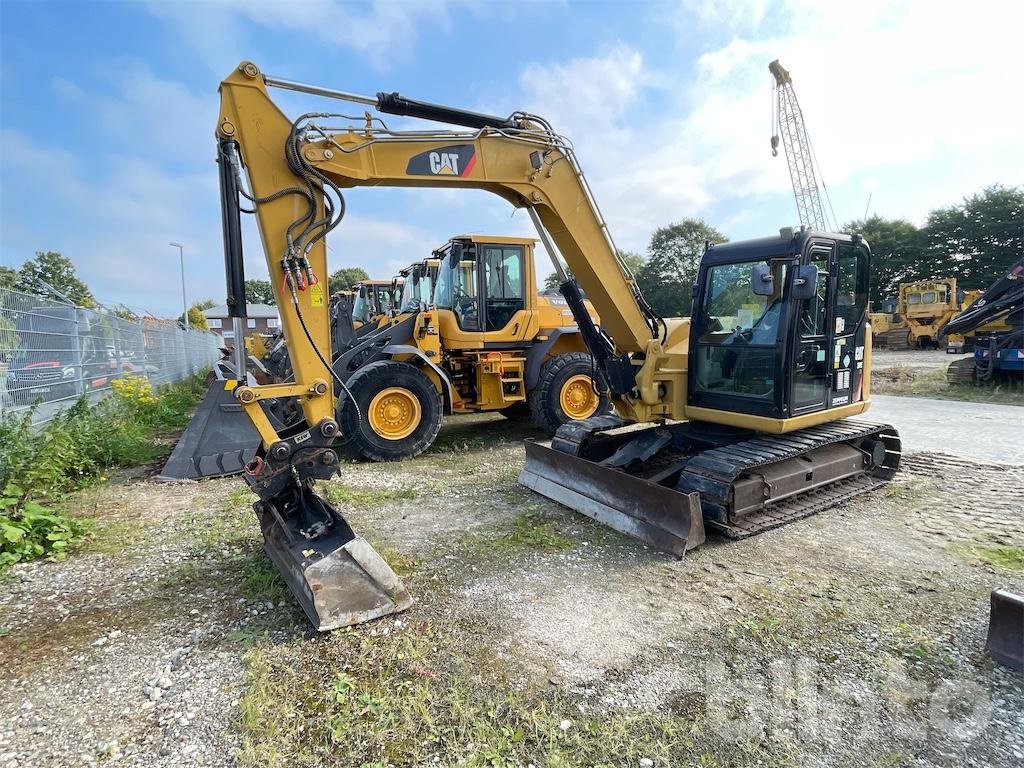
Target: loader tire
x,y
565,392
399,411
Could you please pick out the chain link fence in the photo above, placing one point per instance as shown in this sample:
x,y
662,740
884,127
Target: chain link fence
x,y
52,353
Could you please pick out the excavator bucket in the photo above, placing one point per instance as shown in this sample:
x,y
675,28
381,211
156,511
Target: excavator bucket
x,y
662,517
220,440
336,576
1006,629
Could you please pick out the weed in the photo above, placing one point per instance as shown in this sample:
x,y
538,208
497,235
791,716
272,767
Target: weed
x,y
340,493
1004,556
260,579
5,631
530,530
427,692
74,449
925,382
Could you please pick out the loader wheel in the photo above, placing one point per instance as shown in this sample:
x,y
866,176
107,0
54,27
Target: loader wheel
x,y
399,411
565,392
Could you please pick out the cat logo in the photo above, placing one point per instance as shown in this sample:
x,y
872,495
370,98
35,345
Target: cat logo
x,y
444,163
456,160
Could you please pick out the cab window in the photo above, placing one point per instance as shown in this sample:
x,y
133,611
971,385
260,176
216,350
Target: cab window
x,y
738,341
456,289
851,287
503,278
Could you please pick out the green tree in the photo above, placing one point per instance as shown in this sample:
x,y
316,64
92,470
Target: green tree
x,y
260,292
57,270
344,278
673,258
8,277
977,240
196,319
897,251
634,261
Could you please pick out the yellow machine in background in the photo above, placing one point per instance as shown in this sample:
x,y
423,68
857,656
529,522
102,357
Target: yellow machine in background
x,y
734,419
481,339
925,308
375,300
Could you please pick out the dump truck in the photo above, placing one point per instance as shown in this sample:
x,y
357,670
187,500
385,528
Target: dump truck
x,y
737,419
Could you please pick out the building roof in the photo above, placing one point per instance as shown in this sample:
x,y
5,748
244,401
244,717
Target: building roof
x,y
251,310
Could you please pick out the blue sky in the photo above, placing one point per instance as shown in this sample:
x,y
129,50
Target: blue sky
x,y
107,113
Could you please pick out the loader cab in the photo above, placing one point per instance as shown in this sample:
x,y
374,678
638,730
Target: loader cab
x,y
778,325
486,283
375,299
418,292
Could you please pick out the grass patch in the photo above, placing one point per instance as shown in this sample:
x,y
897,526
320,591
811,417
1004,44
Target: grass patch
x,y
260,579
1003,556
38,467
531,530
924,382
340,493
110,537
414,694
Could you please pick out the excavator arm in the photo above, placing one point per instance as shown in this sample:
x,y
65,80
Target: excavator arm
x,y
296,168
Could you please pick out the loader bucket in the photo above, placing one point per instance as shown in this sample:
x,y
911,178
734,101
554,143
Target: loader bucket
x,y
338,578
220,440
1006,629
662,517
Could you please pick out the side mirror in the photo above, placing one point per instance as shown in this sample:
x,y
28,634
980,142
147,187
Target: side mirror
x,y
806,283
761,282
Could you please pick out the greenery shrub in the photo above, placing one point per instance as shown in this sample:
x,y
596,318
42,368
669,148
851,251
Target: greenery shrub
x,y
39,466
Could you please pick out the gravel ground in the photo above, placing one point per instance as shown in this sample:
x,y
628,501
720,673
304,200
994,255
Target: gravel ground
x,y
854,637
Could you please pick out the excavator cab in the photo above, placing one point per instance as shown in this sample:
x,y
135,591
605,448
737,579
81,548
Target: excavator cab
x,y
778,326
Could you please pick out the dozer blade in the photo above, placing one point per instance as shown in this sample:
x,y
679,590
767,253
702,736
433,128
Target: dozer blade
x,y
1006,629
220,440
664,518
337,577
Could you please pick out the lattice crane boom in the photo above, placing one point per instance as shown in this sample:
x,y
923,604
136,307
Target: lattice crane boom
x,y
789,121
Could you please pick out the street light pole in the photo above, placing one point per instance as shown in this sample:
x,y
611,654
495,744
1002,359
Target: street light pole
x,y
184,301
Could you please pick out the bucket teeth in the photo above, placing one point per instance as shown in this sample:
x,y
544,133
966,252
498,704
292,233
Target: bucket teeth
x,y
219,440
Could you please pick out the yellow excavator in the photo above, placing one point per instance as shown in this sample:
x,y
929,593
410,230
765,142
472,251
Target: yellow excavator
x,y
735,419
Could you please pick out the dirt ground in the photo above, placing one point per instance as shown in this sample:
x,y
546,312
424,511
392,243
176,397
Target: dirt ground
x,y
855,637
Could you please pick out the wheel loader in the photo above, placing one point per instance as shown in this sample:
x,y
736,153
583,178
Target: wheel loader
x,y
737,419
375,300
472,336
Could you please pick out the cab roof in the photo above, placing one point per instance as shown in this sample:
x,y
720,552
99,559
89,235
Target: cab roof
x,y
765,247
496,239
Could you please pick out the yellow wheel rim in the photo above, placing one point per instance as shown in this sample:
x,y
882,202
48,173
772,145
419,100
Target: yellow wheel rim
x,y
578,398
394,413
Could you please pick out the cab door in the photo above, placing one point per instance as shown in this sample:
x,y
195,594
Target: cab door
x,y
813,338
502,271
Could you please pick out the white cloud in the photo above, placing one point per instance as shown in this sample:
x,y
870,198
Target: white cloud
x,y
382,30
906,93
